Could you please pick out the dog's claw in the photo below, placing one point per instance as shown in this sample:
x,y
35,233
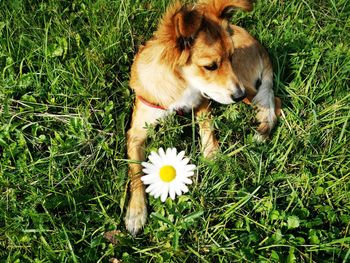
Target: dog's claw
x,y
135,218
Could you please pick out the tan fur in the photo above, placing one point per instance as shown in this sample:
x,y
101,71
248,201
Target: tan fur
x,y
209,144
194,54
217,8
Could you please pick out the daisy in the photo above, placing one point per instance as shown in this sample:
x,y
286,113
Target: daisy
x,y
167,173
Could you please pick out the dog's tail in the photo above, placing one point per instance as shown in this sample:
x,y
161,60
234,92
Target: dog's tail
x,y
225,8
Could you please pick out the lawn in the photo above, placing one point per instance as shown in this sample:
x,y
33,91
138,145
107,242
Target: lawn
x,y
65,107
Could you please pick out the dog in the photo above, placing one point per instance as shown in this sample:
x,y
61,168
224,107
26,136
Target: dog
x,y
195,56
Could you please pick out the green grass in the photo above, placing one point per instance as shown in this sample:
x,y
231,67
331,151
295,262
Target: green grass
x,y
65,106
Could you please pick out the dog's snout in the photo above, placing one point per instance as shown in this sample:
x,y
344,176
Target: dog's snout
x,y
239,95
238,99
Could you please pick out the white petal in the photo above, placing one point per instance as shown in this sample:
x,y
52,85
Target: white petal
x,y
158,191
183,188
155,190
188,174
174,153
164,194
183,171
190,167
147,165
186,180
184,161
169,152
150,188
155,158
153,187
177,189
147,177
150,179
172,191
148,171
157,194
162,154
180,155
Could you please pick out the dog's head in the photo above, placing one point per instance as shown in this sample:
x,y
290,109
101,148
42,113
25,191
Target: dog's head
x,y
204,48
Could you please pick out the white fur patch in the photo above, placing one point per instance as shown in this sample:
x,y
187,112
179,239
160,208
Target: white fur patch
x,y
191,98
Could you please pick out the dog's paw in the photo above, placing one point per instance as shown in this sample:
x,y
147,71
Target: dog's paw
x,y
136,215
267,119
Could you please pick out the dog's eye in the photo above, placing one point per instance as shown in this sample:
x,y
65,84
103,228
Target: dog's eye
x,y
212,67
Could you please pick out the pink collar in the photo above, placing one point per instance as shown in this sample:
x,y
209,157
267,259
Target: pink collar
x,y
149,104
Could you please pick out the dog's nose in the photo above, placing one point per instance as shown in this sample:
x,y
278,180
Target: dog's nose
x,y
239,95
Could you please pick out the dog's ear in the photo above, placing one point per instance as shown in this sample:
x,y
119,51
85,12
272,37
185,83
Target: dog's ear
x,y
224,9
187,24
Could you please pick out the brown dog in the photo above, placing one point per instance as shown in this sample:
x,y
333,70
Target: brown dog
x,y
195,55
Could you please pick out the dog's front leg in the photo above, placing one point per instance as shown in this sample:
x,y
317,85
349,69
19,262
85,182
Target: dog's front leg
x,y
136,214
209,142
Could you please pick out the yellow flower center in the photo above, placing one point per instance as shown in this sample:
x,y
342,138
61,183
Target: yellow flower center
x,y
167,173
